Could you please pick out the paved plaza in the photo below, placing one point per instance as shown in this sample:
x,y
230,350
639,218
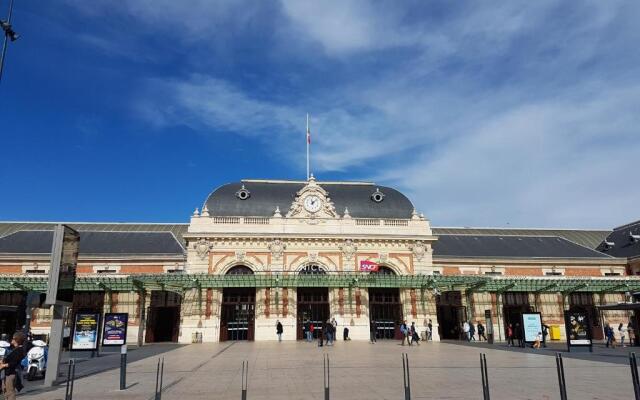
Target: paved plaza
x,y
359,370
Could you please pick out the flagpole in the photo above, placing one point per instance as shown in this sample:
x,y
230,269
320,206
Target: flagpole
x,y
308,140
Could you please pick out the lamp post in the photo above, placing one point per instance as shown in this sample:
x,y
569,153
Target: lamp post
x,y
9,35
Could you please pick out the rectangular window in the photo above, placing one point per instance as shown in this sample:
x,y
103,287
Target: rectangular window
x,y
493,273
612,274
35,271
553,273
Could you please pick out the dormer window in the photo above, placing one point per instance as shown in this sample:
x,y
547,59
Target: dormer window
x,y
377,196
243,193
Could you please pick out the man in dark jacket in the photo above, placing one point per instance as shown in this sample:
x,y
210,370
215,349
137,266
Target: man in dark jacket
x,y
373,330
11,366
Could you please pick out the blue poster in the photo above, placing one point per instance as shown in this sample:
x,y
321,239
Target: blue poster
x,y
85,331
532,326
115,329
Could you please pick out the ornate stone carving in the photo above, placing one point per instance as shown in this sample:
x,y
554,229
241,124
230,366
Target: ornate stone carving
x,y
348,249
313,256
277,247
326,210
419,250
240,254
202,247
383,257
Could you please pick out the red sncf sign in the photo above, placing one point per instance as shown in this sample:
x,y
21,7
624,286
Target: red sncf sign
x,y
368,266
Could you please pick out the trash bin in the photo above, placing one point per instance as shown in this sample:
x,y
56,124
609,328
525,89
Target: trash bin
x,y
554,332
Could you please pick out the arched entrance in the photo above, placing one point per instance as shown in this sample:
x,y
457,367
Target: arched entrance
x,y
12,312
237,312
385,308
451,314
163,318
313,303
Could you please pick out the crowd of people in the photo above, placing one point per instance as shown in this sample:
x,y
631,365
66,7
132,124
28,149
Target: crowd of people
x,y
626,335
10,367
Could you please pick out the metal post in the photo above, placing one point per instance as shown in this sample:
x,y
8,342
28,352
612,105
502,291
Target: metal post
x,y
245,379
71,377
406,377
55,345
485,377
326,376
123,367
161,378
561,382
159,372
634,375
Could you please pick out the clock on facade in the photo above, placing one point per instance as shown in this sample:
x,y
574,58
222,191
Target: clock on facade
x,y
312,204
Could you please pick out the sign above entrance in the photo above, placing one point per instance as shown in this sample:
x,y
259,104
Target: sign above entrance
x,y
368,266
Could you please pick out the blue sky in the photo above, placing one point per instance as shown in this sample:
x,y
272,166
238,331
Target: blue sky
x,y
484,113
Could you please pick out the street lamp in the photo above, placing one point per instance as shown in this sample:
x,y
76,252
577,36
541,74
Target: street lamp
x,y
9,34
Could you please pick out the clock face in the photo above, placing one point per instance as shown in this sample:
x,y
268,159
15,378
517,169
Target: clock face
x,y
312,204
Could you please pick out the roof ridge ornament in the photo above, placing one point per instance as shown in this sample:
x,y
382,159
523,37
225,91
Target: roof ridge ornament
x,y
414,215
196,212
276,213
346,213
205,211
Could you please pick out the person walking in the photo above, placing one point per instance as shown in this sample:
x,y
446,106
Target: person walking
x,y
466,330
328,332
307,330
321,334
623,333
536,343
545,333
481,335
472,331
11,366
430,330
510,335
415,338
403,331
310,332
345,334
279,330
373,331
518,333
607,334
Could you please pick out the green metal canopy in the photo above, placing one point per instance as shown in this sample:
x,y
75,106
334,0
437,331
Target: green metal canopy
x,y
471,283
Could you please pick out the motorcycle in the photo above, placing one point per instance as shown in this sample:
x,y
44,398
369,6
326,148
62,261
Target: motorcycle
x,y
5,348
36,360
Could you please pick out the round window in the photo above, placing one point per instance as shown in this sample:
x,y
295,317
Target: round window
x,y
243,193
377,196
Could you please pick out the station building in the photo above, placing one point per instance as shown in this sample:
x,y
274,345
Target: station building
x,y
261,251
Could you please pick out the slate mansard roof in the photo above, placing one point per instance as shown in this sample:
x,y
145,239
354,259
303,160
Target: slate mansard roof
x,y
534,247
621,243
96,243
265,196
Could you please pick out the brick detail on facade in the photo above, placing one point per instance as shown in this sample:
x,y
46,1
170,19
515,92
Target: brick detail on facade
x,y
582,271
518,271
414,303
267,302
10,269
208,309
285,302
451,271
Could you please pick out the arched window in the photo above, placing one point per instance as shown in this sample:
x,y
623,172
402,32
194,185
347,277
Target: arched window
x,y
383,270
240,270
312,269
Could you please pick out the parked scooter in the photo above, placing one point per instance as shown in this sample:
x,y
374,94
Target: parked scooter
x,y
36,360
5,348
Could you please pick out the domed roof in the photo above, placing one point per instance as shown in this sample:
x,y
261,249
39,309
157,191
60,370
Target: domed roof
x,y
262,197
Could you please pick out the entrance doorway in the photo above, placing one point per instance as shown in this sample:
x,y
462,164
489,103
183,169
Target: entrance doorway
x,y
12,312
313,307
163,317
583,302
514,304
385,309
237,312
451,315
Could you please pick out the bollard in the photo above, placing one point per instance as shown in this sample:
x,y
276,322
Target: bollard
x,y
633,363
561,382
485,377
406,377
123,367
159,375
326,376
245,379
71,376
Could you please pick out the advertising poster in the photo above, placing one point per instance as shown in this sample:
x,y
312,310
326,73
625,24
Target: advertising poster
x,y
368,266
85,331
578,328
114,332
532,326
